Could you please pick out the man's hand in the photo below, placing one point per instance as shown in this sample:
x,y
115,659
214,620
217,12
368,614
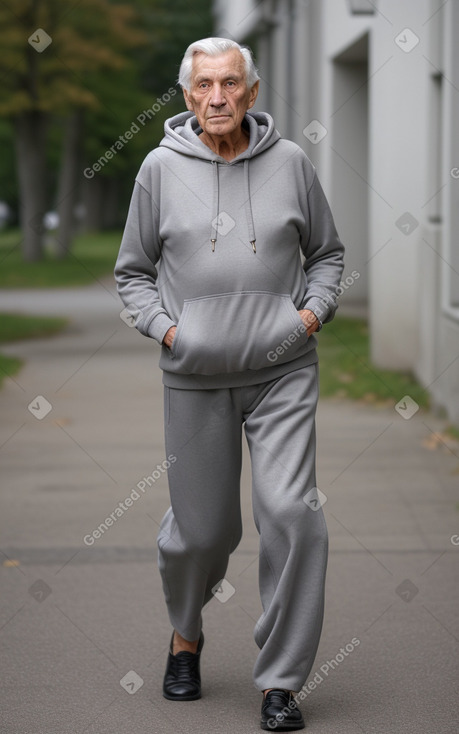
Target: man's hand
x,y
309,319
169,336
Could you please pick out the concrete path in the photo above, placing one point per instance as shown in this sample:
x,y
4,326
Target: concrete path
x,y
83,628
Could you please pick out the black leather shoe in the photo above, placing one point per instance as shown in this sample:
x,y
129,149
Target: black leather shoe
x,y
182,680
279,711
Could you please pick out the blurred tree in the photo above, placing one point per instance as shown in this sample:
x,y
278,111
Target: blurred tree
x,y
122,99
177,23
8,179
70,102
171,25
49,75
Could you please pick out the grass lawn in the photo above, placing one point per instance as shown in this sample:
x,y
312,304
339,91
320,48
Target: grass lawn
x,y
93,255
14,327
346,370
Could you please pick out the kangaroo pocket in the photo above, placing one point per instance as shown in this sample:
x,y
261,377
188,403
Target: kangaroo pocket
x,y
234,332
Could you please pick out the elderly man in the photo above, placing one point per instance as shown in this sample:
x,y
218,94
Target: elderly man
x,y
210,266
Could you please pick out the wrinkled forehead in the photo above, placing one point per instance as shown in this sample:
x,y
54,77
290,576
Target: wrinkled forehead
x,y
225,65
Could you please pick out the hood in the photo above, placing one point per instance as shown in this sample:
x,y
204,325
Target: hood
x,y
181,135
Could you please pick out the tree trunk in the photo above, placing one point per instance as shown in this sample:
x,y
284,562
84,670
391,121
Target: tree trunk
x,y
92,200
68,185
111,204
30,133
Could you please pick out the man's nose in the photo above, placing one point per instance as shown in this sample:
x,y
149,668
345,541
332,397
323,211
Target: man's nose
x,y
217,98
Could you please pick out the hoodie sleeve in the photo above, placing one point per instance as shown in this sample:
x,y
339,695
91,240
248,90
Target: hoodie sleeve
x,y
135,269
324,254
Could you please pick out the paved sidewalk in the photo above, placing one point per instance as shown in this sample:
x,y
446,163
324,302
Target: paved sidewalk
x,y
76,619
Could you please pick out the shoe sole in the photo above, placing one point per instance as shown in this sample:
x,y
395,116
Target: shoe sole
x,y
182,698
281,727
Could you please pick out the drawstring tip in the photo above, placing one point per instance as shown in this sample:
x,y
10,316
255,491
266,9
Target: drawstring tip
x,y
253,246
213,245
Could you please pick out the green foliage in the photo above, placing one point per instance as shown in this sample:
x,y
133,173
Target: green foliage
x,y
170,25
347,371
93,257
112,59
9,366
88,38
176,24
14,327
8,178
453,431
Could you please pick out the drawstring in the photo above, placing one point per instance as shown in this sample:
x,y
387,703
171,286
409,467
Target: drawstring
x,y
216,200
216,206
248,206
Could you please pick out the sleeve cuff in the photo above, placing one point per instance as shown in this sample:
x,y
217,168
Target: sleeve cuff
x,y
319,309
320,322
159,327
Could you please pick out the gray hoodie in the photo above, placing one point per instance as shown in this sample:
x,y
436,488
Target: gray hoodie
x,y
214,248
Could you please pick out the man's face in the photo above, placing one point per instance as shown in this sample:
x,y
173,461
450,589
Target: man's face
x,y
219,96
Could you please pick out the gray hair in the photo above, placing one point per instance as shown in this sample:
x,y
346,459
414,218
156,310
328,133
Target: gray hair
x,y
215,47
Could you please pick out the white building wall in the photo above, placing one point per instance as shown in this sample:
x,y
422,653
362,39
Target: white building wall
x,y
444,385
385,162
279,52
399,133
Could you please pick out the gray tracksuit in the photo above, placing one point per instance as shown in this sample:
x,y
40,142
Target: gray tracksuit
x,y
214,247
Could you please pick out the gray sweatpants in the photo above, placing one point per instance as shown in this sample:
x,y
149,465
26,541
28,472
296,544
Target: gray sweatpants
x,y
203,525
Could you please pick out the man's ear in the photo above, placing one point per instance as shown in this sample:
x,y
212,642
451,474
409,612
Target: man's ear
x,y
188,101
253,94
